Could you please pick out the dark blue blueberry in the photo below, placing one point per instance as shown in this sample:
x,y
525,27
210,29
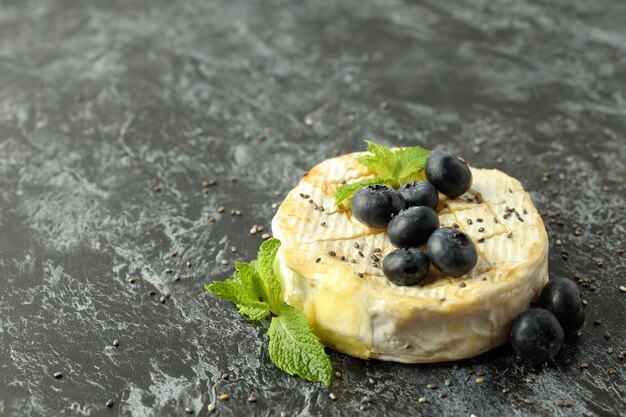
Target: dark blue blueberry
x,y
420,193
536,335
448,173
375,205
561,297
406,266
412,227
452,251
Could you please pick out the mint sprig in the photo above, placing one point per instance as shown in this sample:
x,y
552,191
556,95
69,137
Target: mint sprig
x,y
257,293
393,167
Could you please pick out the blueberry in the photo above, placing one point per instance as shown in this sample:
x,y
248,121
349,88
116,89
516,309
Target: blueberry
x,y
448,173
412,227
452,251
536,335
561,297
420,193
406,266
375,205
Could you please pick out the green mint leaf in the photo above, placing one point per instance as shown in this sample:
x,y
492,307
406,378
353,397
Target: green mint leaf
x,y
295,349
253,313
410,161
246,302
251,281
394,167
346,191
265,268
381,159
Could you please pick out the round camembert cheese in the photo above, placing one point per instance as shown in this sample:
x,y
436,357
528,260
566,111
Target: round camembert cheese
x,y
330,268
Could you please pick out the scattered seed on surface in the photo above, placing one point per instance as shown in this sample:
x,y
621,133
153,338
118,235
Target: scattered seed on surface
x,y
188,410
252,399
332,396
58,375
221,209
284,414
372,381
597,322
116,343
421,400
366,399
226,376
265,236
431,386
565,404
338,374
480,380
224,397
151,293
109,403
611,371
622,288
529,401
506,390
383,105
168,270
443,395
447,382
308,121
210,407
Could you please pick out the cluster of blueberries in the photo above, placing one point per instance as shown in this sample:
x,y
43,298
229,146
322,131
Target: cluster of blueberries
x,y
411,221
537,334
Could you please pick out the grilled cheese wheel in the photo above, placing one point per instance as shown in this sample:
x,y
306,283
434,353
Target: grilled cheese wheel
x,y
330,266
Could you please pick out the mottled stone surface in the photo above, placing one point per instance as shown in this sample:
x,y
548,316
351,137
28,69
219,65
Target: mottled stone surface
x,y
102,101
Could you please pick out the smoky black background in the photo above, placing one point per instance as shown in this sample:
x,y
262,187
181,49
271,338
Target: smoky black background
x,y
112,114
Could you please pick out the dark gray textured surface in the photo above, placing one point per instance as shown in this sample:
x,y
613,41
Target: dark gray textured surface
x,y
545,81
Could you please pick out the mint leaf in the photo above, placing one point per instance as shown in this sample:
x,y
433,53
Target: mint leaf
x,y
381,160
246,302
394,167
410,161
295,349
253,313
251,281
265,267
346,191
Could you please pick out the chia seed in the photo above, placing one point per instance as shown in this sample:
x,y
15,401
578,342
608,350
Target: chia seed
x,y
318,260
332,253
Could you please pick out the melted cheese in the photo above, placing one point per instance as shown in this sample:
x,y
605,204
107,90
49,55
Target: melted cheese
x,y
330,267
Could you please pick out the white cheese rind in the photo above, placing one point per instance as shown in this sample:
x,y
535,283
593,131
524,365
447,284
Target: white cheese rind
x,y
444,319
